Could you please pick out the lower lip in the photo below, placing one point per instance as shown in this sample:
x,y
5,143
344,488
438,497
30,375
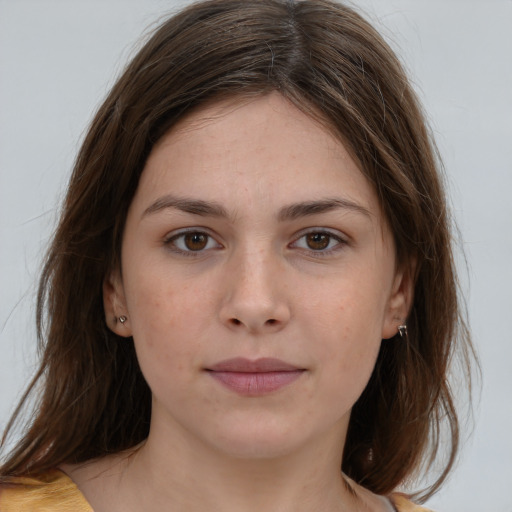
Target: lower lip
x,y
258,383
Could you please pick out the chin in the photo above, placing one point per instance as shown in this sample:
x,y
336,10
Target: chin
x,y
263,439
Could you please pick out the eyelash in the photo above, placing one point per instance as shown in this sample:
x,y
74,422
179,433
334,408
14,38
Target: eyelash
x,y
321,253
170,242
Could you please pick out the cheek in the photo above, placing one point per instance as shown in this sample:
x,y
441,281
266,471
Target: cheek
x,y
165,325
160,300
351,310
347,329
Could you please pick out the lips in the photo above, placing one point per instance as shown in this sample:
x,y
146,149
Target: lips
x,y
254,378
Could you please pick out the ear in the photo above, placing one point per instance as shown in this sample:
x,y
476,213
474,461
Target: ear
x,y
400,300
114,304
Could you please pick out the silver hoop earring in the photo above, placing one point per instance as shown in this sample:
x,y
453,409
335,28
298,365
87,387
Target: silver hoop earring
x,y
402,330
122,319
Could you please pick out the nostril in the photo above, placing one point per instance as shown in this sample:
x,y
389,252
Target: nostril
x,y
270,321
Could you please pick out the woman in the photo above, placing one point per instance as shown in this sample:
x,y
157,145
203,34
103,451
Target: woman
x,y
251,285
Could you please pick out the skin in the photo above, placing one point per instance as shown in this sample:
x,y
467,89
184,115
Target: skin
x,y
319,291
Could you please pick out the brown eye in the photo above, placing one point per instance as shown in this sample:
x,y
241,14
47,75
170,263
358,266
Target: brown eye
x,y
318,241
191,242
195,241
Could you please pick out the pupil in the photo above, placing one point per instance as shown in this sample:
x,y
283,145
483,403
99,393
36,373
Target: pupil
x,y
196,241
318,241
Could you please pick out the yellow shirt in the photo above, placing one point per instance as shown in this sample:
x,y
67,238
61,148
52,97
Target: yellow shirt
x,y
54,491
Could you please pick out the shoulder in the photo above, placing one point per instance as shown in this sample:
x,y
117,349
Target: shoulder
x,y
52,491
402,504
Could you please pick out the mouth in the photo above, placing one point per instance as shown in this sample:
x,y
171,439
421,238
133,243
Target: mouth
x,y
254,378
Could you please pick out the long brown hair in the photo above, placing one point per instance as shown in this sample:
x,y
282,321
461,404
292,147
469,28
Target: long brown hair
x,y
326,59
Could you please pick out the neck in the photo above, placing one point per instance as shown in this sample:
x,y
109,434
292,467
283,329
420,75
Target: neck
x,y
171,472
200,479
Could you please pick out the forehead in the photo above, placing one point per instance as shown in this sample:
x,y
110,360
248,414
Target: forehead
x,y
258,150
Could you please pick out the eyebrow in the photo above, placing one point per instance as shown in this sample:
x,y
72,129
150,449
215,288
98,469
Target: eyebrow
x,y
290,212
194,206
308,208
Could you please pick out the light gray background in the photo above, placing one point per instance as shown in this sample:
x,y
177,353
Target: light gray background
x,y
57,60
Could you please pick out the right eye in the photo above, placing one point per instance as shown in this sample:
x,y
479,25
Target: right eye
x,y
190,242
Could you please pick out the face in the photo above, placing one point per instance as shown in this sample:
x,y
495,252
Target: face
x,y
258,280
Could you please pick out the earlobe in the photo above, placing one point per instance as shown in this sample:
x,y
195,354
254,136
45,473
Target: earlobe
x,y
114,304
399,303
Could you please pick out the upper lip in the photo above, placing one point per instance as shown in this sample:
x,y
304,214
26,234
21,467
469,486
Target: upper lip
x,y
243,365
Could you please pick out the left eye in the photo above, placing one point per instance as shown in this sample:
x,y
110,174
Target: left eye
x,y
192,241
318,241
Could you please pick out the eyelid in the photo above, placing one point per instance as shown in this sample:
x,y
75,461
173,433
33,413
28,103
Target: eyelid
x,y
342,240
176,234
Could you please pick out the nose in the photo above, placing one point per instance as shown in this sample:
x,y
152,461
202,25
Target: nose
x,y
255,297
